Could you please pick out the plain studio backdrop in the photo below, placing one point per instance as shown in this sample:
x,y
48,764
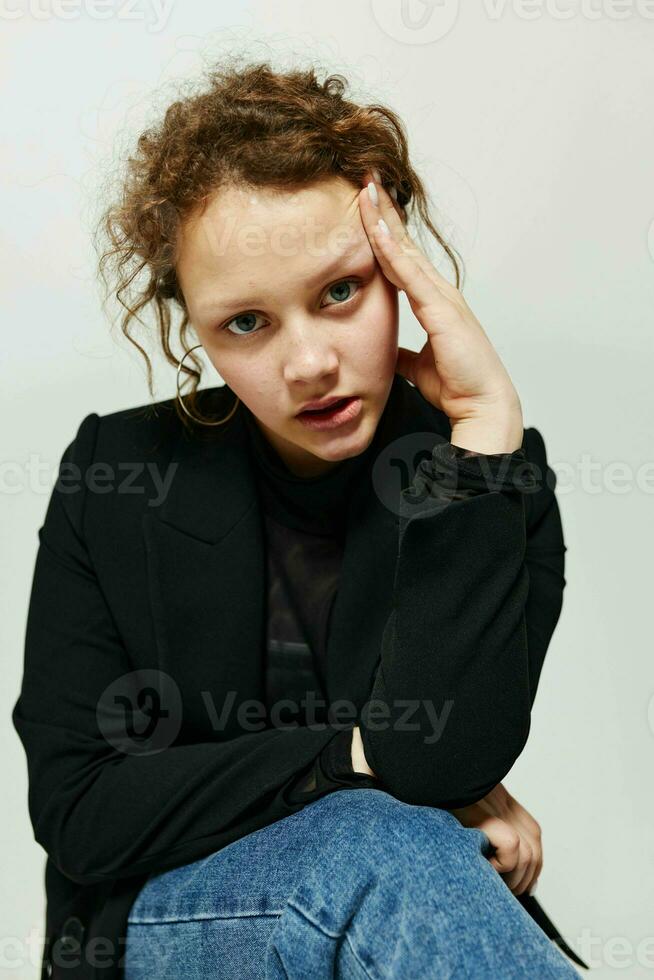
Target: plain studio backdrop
x,y
531,124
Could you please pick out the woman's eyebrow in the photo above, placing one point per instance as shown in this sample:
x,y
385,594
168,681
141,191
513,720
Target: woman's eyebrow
x,y
358,253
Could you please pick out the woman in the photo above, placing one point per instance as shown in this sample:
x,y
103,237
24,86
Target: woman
x,y
235,617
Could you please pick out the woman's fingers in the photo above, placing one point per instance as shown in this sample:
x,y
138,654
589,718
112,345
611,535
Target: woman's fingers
x,y
460,372
402,262
371,214
515,858
515,835
390,211
506,842
523,872
531,830
531,880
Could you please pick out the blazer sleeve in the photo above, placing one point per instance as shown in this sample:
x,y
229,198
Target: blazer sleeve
x,y
477,594
97,811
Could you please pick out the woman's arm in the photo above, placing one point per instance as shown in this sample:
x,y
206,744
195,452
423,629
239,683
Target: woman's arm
x,y
478,593
451,700
100,812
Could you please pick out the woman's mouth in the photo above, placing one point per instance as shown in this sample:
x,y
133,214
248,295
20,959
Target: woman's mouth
x,y
337,414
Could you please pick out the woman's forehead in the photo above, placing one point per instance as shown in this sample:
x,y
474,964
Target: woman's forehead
x,y
237,240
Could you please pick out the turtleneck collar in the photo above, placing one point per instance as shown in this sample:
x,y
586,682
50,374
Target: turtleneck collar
x,y
317,504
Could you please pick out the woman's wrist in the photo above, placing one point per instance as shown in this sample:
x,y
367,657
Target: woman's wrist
x,y
359,763
490,435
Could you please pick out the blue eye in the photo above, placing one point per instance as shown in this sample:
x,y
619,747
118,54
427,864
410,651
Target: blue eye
x,y
242,316
252,317
339,286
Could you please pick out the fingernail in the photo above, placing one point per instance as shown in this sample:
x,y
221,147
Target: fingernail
x,y
372,194
376,175
384,227
393,192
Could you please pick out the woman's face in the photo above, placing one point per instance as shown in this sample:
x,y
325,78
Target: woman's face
x,y
291,306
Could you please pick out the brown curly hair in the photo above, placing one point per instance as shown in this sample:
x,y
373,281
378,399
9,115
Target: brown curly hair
x,y
251,126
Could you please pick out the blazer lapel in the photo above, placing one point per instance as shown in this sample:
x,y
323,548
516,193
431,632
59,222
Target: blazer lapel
x,y
204,548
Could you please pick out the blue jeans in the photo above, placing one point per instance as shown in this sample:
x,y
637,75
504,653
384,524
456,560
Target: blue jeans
x,y
356,885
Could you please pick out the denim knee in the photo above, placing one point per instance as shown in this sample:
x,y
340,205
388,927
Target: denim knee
x,y
374,825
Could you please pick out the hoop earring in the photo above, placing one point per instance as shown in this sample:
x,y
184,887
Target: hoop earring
x,y
179,397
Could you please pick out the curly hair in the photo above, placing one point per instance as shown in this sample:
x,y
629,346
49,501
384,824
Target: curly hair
x,y
250,126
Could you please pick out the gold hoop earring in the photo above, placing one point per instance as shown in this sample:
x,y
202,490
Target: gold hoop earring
x,y
179,397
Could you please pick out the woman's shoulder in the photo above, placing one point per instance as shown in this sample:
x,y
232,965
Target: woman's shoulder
x,y
142,430
120,460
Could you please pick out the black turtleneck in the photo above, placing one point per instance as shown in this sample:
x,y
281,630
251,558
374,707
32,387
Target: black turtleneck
x,y
315,504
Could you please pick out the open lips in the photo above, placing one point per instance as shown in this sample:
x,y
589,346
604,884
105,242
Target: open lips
x,y
340,412
332,406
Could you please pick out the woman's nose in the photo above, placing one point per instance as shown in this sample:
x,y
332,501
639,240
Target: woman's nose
x,y
309,354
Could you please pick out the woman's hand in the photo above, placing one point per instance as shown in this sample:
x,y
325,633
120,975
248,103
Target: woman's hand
x,y
458,370
516,836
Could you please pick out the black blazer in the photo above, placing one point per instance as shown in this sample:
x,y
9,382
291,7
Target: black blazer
x,y
148,593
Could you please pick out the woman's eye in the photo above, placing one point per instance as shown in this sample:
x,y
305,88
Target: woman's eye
x,y
342,288
248,326
340,291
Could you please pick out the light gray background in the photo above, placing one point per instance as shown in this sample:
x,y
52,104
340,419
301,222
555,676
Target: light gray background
x,y
531,124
